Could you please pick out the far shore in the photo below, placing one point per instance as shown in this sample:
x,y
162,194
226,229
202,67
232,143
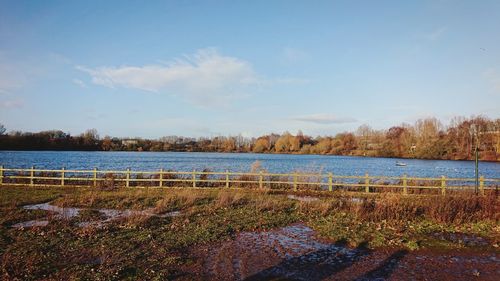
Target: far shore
x,y
244,152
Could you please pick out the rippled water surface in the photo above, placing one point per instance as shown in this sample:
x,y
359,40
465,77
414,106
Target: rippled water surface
x,y
187,161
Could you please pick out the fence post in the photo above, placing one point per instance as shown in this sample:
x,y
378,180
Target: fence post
x,y
294,181
261,180
161,177
330,182
127,182
194,178
95,177
62,176
227,178
481,185
367,183
443,185
405,185
1,174
32,174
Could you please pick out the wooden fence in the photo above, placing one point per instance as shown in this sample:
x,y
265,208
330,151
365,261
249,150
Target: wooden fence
x,y
294,181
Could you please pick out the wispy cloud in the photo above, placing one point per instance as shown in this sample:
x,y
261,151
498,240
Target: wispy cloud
x,y
290,80
79,83
204,78
10,104
436,33
323,118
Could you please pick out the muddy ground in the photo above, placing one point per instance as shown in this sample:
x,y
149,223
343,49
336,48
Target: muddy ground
x,y
243,235
294,253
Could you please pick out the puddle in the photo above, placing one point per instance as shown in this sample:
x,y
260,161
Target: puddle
x,y
170,214
356,200
117,214
33,223
112,214
462,238
65,213
303,198
56,212
291,252
70,212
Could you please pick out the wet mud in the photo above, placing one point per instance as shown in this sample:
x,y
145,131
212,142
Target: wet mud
x,y
295,253
462,239
67,213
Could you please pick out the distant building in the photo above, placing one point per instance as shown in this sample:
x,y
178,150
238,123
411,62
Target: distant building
x,y
129,142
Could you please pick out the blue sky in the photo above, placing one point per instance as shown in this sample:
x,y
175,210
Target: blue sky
x,y
204,68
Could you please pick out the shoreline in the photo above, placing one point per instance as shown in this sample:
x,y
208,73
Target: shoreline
x,y
254,153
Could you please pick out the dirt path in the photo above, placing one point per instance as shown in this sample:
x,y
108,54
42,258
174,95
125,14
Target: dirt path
x,y
294,253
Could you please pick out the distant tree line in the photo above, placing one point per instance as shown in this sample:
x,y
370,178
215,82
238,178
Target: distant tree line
x,y
426,139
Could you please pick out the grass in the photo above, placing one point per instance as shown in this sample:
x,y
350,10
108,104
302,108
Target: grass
x,y
149,247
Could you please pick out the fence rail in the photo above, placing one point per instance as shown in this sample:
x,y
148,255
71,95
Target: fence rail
x,y
295,181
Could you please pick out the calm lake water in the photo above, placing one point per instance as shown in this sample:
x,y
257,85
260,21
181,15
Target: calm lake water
x,y
187,161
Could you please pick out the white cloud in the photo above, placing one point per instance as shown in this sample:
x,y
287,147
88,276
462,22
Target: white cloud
x,y
325,119
436,33
79,83
10,104
290,80
205,78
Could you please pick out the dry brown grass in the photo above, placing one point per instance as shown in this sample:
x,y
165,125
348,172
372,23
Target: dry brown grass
x,y
463,208
250,181
308,177
108,182
182,199
134,220
264,202
456,209
388,207
229,199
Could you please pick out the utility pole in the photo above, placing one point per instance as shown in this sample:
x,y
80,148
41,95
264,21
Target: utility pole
x,y
475,136
477,170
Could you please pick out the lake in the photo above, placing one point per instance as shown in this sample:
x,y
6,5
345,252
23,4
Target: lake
x,y
241,162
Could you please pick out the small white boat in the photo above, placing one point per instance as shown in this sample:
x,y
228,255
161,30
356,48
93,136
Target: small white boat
x,y
401,164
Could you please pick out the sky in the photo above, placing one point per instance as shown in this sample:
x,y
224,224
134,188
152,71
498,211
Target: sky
x,y
207,68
